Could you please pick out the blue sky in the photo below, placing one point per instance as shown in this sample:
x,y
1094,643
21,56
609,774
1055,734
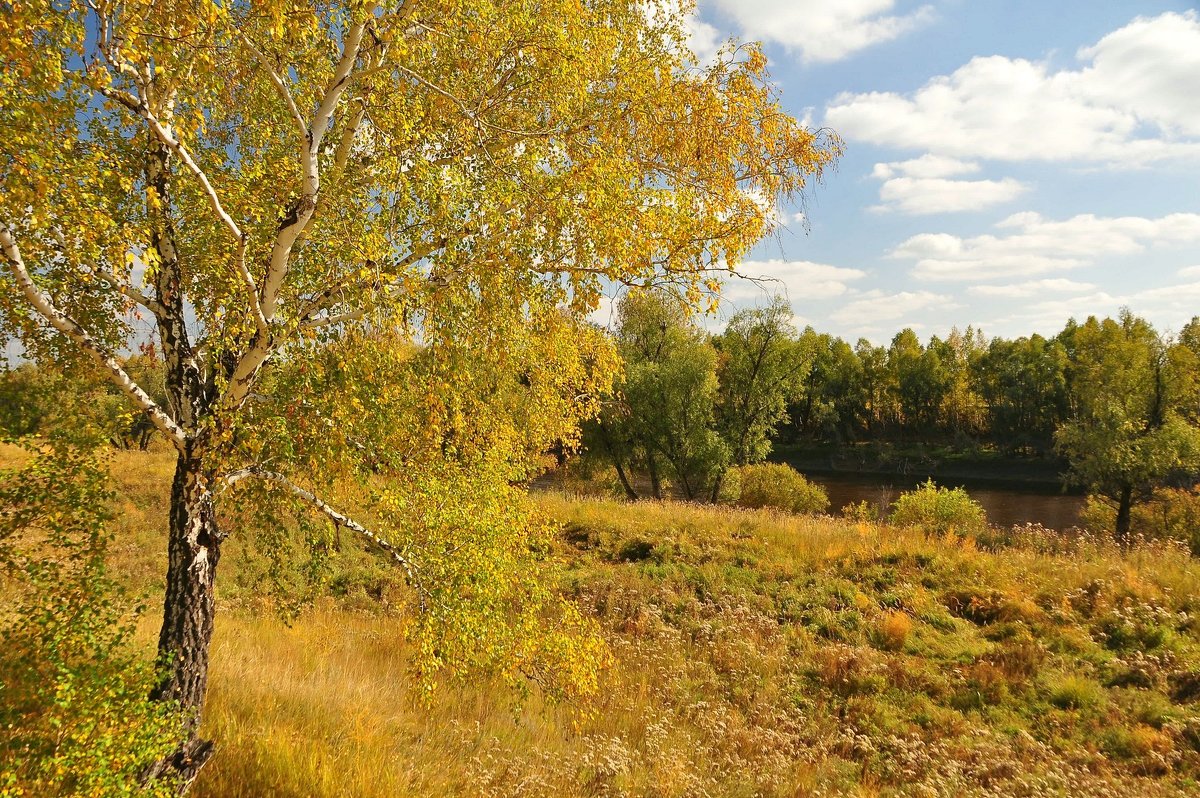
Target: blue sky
x,y
1008,164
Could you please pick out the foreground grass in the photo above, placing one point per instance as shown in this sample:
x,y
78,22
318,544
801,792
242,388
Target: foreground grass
x,y
755,654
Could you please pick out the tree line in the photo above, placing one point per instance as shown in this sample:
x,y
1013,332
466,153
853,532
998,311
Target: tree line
x,y
1116,399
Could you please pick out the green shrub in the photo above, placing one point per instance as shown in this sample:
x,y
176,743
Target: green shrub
x,y
75,716
938,509
1076,692
864,512
779,487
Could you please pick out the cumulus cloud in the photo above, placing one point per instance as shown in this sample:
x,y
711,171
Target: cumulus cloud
x,y
1190,271
1037,245
821,30
923,186
875,305
798,280
1134,100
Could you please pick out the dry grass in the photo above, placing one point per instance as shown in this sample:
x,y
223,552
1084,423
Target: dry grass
x,y
756,654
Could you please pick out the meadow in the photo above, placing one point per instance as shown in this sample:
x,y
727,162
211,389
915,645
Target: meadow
x,y
753,653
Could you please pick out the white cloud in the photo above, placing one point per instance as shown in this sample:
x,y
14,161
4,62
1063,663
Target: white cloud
x,y
926,167
1135,100
1150,66
1190,271
1030,288
822,30
1038,245
605,314
875,305
798,280
917,196
922,186
1169,306
703,39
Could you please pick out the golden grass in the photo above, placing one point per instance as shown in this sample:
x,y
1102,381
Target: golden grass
x,y
756,653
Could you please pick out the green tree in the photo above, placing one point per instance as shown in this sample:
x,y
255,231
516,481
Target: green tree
x,y
662,421
833,404
266,179
1126,434
762,367
918,380
962,409
1024,386
878,394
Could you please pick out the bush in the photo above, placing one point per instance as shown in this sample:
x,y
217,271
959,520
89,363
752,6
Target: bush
x,y
864,512
1076,692
779,487
75,716
938,510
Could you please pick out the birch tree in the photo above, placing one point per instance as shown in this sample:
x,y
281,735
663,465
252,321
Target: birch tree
x,y
364,234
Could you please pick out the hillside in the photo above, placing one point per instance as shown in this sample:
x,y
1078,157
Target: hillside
x,y
754,654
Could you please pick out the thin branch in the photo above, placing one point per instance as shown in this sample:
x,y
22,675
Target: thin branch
x,y
67,326
152,305
329,321
341,519
280,87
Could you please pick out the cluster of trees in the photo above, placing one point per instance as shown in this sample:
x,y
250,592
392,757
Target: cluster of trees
x,y
1119,401
37,399
967,389
962,388
691,405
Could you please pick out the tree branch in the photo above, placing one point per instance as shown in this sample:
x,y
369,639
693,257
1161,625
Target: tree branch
x,y
67,326
310,180
141,107
280,87
329,321
341,519
298,217
152,305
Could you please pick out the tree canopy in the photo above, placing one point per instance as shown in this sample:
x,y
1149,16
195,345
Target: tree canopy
x,y
364,234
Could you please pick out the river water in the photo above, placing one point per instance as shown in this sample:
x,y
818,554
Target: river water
x,y
1005,506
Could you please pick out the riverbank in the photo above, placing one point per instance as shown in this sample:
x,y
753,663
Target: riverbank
x,y
918,462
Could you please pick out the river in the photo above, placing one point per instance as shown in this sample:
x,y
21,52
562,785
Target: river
x,y
1005,506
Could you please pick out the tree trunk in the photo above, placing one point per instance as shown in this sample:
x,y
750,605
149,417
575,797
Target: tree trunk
x,y
655,482
1124,504
183,643
718,482
630,493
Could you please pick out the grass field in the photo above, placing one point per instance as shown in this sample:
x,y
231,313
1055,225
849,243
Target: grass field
x,y
754,654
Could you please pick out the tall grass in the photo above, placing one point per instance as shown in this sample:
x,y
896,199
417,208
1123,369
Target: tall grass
x,y
756,653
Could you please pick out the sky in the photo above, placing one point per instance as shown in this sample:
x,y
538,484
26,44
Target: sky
x,y
1008,165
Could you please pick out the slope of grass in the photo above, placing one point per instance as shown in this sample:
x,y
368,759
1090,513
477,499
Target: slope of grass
x,y
755,654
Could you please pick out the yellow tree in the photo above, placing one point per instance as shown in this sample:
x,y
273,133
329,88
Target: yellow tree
x,y
365,233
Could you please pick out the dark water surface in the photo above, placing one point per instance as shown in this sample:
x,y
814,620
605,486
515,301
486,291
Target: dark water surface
x,y
1005,506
